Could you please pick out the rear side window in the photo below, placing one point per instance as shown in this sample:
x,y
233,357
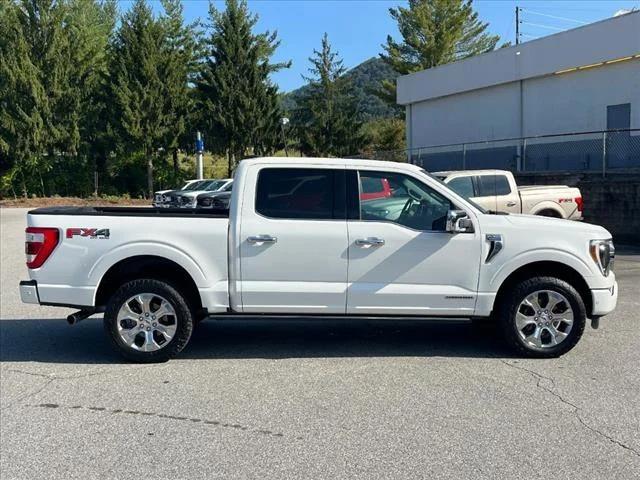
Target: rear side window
x,y
463,186
490,185
298,193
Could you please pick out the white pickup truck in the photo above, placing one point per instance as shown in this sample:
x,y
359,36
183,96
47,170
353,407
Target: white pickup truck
x,y
319,237
497,190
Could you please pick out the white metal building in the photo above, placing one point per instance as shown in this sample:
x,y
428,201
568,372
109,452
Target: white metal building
x,y
581,80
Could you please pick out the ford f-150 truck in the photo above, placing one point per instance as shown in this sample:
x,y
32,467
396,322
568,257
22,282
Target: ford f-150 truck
x,y
497,190
299,239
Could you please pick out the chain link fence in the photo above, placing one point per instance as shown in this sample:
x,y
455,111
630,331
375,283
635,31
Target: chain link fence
x,y
599,151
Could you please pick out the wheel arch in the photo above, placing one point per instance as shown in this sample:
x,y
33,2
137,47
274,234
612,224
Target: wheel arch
x,y
548,206
147,266
547,269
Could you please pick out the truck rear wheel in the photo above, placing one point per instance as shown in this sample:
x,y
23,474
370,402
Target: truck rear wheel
x,y
148,321
542,317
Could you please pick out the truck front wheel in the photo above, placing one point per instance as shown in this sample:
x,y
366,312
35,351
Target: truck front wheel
x,y
148,321
542,317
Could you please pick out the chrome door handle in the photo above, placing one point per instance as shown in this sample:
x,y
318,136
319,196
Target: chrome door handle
x,y
262,239
511,204
369,242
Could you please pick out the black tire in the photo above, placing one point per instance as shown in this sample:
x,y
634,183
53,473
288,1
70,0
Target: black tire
x,y
549,213
510,303
184,320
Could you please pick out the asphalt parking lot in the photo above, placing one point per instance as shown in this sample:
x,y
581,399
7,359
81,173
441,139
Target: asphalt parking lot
x,y
316,399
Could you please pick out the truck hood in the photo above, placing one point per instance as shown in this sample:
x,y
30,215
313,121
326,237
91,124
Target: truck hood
x,y
545,227
189,194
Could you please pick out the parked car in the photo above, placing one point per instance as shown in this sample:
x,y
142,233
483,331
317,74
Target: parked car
x,y
215,200
188,199
374,188
298,240
159,197
497,190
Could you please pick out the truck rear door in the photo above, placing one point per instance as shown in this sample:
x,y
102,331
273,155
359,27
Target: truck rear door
x,y
293,241
495,192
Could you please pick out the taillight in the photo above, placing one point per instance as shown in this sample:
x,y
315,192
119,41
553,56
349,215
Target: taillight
x,y
579,203
39,244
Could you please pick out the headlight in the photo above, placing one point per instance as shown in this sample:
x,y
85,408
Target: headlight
x,y
603,253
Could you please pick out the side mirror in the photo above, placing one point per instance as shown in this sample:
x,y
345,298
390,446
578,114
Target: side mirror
x,y
459,222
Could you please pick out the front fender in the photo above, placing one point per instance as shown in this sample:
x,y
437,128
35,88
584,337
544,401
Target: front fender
x,y
498,277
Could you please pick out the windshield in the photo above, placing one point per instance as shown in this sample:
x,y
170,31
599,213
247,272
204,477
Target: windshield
x,y
194,186
466,197
215,185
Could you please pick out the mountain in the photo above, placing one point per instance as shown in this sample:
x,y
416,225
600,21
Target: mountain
x,y
365,78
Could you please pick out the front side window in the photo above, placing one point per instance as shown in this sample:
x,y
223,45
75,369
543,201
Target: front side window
x,y
411,203
295,193
492,185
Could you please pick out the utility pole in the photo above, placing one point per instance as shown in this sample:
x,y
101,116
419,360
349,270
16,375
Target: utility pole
x,y
199,150
517,25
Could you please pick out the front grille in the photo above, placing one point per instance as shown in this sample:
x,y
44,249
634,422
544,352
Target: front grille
x,y
205,202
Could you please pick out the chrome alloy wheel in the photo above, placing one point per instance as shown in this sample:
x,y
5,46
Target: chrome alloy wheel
x,y
544,319
147,322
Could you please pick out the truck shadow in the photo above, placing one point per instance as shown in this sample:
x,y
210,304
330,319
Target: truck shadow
x,y
53,341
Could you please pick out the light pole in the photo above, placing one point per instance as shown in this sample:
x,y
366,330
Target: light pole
x,y
284,121
199,150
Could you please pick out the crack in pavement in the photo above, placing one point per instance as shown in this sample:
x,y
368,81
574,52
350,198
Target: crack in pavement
x,y
104,371
576,410
33,374
53,377
28,395
116,411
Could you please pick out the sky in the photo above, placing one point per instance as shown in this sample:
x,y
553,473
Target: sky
x,y
358,28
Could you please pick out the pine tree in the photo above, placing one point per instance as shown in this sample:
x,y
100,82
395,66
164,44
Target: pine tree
x,y
239,103
326,119
137,87
22,135
51,56
434,32
181,56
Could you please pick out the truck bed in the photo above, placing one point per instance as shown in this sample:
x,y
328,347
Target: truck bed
x,y
130,212
193,240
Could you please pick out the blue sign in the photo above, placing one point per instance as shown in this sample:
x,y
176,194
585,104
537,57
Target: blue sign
x,y
200,145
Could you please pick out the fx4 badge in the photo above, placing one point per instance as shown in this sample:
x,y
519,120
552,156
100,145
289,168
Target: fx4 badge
x,y
88,232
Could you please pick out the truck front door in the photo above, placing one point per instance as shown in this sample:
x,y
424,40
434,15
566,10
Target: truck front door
x,y
401,259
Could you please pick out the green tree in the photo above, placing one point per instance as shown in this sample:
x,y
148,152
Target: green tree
x,y
182,52
137,86
326,119
51,59
22,128
434,32
239,103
